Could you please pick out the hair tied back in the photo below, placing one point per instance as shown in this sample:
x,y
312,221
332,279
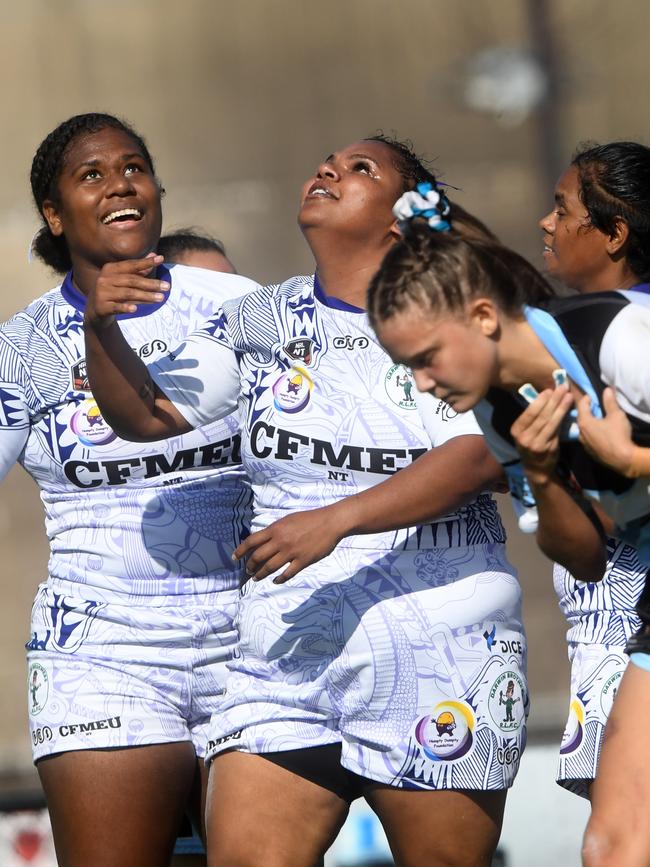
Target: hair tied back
x,y
426,202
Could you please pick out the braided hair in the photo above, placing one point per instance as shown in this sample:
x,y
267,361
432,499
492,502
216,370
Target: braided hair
x,y
46,170
443,271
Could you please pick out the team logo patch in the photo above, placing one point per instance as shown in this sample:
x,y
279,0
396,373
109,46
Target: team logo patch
x,y
79,376
292,391
400,386
300,349
608,692
506,701
88,425
447,733
575,729
38,684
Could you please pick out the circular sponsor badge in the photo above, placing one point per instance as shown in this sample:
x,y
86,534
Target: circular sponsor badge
x,y
447,733
88,425
292,391
575,728
506,701
400,386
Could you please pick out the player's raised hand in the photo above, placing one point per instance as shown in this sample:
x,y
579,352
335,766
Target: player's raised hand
x,y
122,286
537,432
608,440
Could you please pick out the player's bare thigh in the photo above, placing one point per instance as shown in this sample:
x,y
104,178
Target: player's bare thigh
x,y
259,812
618,832
445,828
118,808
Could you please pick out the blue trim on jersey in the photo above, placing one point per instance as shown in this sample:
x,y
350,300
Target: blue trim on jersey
x,y
641,287
78,300
330,301
552,336
642,660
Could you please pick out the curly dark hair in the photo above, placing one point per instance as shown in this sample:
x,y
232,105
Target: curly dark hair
x,y
46,169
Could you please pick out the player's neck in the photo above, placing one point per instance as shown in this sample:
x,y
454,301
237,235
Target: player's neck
x,y
346,285
523,358
348,278
84,276
617,276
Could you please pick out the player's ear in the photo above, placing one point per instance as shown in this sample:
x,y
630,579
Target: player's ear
x,y
484,314
52,217
619,237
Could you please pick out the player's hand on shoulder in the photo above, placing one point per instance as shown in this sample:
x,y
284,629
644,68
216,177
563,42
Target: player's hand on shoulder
x,y
608,440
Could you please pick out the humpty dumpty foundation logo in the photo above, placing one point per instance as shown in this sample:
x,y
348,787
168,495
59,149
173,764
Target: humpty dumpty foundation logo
x,y
291,392
447,733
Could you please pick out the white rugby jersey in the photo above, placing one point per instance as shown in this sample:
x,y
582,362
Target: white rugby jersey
x,y
324,411
145,520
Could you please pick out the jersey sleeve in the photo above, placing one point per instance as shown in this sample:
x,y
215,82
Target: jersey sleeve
x,y
14,412
441,422
624,359
214,284
201,376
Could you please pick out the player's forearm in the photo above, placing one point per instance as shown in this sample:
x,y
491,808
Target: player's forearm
x,y
435,485
566,534
122,385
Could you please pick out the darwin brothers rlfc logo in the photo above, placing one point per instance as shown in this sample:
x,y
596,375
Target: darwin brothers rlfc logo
x,y
609,690
38,686
506,701
400,386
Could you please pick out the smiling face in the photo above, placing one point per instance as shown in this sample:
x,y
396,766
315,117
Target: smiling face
x,y
353,193
108,202
575,251
451,356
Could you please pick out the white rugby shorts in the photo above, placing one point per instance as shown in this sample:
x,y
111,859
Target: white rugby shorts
x,y
414,660
102,675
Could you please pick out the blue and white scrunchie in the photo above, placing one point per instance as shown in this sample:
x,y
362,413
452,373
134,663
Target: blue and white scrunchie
x,y
424,201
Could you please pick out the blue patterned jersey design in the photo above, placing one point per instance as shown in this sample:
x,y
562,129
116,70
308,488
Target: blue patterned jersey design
x,y
324,411
603,612
143,521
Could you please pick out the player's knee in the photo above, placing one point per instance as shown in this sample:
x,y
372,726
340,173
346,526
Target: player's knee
x,y
601,845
